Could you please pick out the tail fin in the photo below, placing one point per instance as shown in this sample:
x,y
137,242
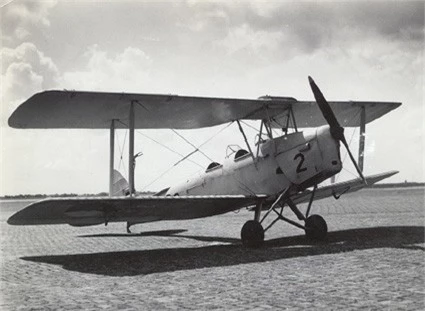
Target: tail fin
x,y
120,186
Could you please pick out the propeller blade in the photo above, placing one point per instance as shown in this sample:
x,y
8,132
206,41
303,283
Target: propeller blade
x,y
327,112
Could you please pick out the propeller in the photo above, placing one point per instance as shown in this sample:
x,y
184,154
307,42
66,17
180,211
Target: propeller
x,y
337,131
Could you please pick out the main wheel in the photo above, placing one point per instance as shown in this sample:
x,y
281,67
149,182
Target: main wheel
x,y
252,234
316,228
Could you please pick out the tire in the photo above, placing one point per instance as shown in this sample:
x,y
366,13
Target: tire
x,y
252,234
316,228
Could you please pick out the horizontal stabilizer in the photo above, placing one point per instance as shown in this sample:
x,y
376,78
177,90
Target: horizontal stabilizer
x,y
338,189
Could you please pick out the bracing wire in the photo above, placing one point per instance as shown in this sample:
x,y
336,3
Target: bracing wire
x,y
178,162
276,133
160,176
185,157
209,139
168,148
350,172
349,144
162,145
196,148
121,162
221,130
249,125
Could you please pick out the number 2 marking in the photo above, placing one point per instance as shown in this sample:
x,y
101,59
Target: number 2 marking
x,y
300,169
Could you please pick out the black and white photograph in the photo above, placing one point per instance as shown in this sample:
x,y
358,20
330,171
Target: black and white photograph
x,y
212,155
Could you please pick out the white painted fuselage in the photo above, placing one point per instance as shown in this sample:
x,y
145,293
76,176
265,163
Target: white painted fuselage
x,y
295,159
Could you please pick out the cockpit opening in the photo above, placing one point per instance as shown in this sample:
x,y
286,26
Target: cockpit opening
x,y
213,166
240,153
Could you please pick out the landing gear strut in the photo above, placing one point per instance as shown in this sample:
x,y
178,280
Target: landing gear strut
x,y
129,224
315,226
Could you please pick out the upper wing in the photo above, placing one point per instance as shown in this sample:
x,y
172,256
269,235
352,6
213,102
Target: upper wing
x,y
307,113
93,211
94,110
338,189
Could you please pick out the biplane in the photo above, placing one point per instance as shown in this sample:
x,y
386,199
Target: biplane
x,y
280,170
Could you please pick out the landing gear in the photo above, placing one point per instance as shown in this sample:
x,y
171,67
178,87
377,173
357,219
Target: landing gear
x,y
252,234
316,228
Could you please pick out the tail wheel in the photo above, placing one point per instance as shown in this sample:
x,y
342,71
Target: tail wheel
x,y
252,234
316,228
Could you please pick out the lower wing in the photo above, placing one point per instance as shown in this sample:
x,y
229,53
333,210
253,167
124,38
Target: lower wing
x,y
96,210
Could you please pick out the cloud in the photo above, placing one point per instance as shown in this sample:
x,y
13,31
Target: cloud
x,y
21,17
21,77
128,70
25,71
308,27
28,53
243,37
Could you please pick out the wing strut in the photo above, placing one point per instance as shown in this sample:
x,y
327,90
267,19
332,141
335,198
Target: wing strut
x,y
111,156
131,148
362,137
246,141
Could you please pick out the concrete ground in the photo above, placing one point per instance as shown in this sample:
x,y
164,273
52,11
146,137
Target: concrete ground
x,y
373,259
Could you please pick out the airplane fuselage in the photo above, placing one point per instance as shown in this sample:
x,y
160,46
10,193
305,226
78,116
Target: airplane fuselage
x,y
295,159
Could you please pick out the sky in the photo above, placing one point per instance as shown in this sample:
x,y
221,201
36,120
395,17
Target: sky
x,y
354,50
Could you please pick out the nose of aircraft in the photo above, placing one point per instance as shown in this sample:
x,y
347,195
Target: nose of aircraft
x,y
329,148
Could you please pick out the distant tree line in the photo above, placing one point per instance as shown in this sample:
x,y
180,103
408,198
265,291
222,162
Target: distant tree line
x,y
63,195
398,185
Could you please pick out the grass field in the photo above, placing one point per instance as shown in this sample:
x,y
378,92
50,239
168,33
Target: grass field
x,y
373,259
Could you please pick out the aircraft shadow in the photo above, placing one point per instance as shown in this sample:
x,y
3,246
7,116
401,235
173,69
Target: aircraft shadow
x,y
129,235
165,233
144,262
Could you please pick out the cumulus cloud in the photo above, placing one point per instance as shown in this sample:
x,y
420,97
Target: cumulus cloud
x,y
21,64
128,70
20,17
28,53
25,71
20,78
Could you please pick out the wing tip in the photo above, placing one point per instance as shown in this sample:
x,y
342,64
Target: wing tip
x,y
371,180
14,220
389,173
